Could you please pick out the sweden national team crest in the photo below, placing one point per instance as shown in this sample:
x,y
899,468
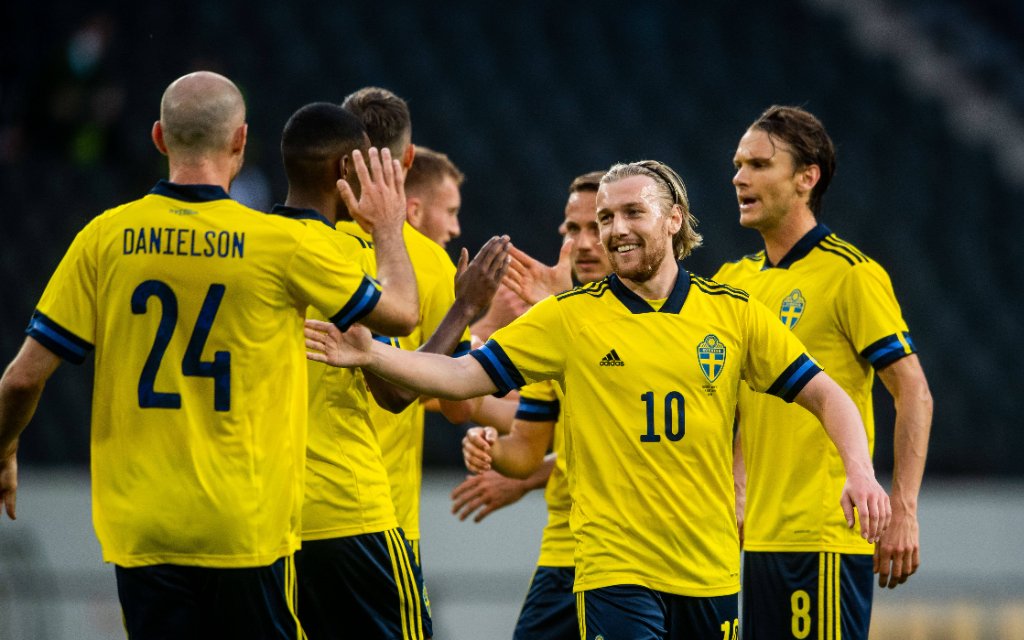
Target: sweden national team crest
x,y
792,308
711,357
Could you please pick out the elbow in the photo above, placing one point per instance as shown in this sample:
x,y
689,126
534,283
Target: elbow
x,y
456,411
15,386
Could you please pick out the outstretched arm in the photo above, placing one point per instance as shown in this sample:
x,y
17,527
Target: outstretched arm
x,y
837,413
897,555
381,210
475,284
424,373
20,388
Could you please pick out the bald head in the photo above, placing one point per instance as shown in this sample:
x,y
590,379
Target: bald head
x,y
200,114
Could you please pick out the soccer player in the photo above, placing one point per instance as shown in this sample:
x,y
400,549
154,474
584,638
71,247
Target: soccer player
x,y
399,416
650,359
805,572
432,193
194,305
549,610
354,569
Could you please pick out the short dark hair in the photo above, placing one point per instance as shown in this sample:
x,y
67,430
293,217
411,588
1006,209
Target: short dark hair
x,y
316,133
385,116
429,168
807,140
589,181
671,191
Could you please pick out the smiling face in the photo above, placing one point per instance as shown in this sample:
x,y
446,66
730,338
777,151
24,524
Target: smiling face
x,y
589,260
636,226
768,183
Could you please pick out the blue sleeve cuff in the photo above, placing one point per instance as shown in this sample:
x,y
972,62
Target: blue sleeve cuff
x,y
57,339
796,376
882,353
499,367
361,303
532,410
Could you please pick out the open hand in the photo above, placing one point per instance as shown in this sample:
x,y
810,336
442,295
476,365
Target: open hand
x,y
328,344
476,282
381,202
533,280
484,494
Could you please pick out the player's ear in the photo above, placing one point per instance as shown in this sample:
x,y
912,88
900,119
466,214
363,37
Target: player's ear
x,y
413,210
675,220
342,168
239,137
807,177
408,156
158,137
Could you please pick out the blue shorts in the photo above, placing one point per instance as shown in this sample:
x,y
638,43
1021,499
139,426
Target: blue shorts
x,y
174,601
638,613
366,583
806,595
549,611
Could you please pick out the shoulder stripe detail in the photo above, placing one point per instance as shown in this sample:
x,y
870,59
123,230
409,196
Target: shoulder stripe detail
x,y
796,376
533,410
889,349
499,367
832,245
363,243
716,288
596,289
361,303
58,339
852,249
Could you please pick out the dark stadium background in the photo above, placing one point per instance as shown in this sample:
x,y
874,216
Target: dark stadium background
x,y
524,96
924,98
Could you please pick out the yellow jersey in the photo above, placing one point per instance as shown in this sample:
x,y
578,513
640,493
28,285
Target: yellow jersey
x,y
195,306
401,435
841,305
347,488
650,400
542,402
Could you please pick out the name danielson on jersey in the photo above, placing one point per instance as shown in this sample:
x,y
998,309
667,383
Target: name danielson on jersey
x,y
171,241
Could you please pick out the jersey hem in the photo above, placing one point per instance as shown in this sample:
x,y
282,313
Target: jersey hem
x,y
810,548
690,591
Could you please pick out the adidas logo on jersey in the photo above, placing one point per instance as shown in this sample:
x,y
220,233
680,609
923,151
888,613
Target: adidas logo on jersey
x,y
612,359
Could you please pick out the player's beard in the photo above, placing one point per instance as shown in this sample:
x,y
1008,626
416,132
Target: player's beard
x,y
648,263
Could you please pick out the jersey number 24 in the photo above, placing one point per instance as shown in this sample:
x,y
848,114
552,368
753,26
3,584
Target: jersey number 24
x,y
219,369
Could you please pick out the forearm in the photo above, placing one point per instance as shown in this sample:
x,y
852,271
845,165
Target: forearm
x,y
429,374
444,340
841,420
516,458
910,446
17,405
399,296
539,478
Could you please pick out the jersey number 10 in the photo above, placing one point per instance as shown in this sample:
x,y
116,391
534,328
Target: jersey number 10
x,y
219,369
675,417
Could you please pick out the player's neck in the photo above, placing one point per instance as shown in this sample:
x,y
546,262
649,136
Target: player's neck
x,y
658,286
322,205
203,171
780,239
